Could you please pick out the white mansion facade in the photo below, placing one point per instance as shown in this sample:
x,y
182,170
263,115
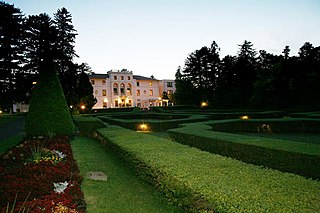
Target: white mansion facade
x,y
118,89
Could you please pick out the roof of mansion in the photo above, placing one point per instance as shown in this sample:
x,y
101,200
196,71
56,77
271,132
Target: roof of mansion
x,y
104,76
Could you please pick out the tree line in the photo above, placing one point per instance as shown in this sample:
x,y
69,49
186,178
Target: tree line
x,y
25,42
250,79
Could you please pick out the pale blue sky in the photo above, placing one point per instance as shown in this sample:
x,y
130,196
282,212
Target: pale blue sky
x,y
154,37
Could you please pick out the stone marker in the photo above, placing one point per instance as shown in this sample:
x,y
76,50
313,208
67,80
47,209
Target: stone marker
x,y
97,176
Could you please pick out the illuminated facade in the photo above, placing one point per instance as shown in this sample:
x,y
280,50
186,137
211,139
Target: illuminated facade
x,y
118,89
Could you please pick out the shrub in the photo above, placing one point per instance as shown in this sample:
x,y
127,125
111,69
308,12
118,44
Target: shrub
x,y
87,124
203,182
48,113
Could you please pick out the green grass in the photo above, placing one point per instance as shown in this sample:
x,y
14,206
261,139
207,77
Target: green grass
x,y
123,191
10,142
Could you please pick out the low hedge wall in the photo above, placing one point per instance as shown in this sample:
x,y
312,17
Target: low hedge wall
x,y
87,124
285,125
155,122
203,182
284,155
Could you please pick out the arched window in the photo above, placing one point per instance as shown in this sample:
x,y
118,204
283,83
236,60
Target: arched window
x,y
122,88
115,89
129,89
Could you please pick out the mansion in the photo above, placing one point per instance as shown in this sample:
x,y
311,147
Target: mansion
x,y
118,89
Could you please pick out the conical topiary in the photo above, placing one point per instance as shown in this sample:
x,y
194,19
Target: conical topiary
x,y
48,113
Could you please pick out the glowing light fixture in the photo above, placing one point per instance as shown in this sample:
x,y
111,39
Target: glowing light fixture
x,y
83,106
34,82
143,127
105,100
71,106
245,117
0,111
204,104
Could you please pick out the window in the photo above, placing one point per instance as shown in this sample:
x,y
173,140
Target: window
x,y
92,82
96,92
138,92
144,92
169,84
122,89
138,84
115,88
129,89
169,92
115,77
122,78
103,82
128,78
130,103
104,92
116,103
151,92
150,84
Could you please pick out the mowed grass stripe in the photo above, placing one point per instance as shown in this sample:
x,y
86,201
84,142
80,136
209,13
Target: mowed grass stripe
x,y
123,191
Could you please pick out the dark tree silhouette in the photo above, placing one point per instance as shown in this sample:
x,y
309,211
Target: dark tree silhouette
x,y
11,51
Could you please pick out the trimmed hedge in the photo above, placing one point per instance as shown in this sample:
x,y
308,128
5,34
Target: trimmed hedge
x,y
284,155
48,113
156,122
203,182
87,124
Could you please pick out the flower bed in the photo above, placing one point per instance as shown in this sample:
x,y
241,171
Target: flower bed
x,y
40,175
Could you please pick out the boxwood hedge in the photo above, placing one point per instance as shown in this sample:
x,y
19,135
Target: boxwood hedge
x,y
156,122
87,124
200,181
284,155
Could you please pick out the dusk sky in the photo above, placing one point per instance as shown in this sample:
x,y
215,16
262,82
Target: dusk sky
x,y
155,37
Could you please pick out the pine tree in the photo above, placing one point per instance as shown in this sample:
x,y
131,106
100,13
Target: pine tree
x,y
11,51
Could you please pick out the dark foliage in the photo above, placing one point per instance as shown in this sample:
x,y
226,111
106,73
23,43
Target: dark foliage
x,y
249,80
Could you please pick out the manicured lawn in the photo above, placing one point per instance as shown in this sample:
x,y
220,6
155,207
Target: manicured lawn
x,y
123,191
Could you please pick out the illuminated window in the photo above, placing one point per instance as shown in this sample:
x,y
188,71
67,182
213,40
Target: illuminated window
x,y
104,92
169,92
138,92
122,89
151,92
150,84
103,82
96,92
115,88
129,89
169,84
115,77
92,82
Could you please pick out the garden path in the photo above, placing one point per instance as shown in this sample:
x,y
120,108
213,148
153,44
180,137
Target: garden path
x,y
12,128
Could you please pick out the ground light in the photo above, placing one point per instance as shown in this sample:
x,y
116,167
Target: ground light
x,y
143,127
83,106
204,104
245,117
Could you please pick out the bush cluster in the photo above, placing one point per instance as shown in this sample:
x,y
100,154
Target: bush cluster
x,y
28,174
87,124
203,182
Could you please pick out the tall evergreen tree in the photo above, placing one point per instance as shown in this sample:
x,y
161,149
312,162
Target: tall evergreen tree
x,y
11,51
66,35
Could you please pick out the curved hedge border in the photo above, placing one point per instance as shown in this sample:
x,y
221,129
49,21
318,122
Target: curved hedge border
x,y
204,182
164,122
284,155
